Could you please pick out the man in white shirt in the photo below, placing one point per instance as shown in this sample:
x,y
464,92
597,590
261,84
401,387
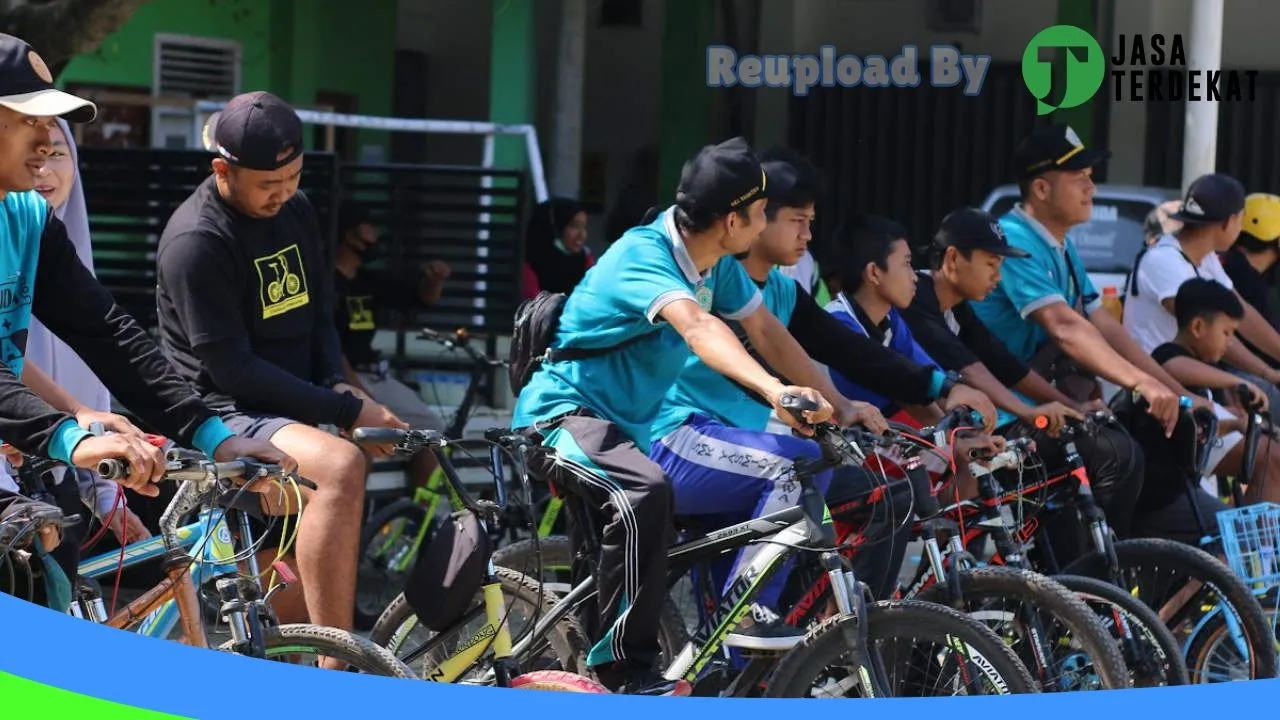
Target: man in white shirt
x,y
1211,217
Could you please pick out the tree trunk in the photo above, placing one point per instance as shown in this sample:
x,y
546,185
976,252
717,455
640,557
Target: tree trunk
x,y
61,29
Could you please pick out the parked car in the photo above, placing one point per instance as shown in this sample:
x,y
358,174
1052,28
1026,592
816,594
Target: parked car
x,y
1110,241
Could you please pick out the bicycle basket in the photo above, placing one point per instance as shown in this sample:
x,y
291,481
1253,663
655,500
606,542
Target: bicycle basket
x,y
449,572
1251,542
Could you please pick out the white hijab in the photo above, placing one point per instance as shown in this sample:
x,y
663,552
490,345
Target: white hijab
x,y
48,352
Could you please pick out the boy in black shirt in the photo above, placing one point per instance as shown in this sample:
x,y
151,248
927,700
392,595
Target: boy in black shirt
x,y
245,300
360,291
966,256
1208,315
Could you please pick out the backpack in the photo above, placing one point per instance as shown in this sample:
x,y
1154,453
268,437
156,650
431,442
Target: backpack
x,y
536,323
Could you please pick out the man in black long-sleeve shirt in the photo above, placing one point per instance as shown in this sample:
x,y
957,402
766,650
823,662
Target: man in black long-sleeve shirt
x,y
246,313
966,256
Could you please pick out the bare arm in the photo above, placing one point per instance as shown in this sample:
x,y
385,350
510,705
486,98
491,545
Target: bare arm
x,y
716,345
1037,388
1191,371
981,378
46,389
1129,349
781,350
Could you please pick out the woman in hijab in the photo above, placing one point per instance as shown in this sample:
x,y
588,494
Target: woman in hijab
x,y
556,253
59,183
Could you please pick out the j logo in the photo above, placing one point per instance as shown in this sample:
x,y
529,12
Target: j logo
x,y
1069,53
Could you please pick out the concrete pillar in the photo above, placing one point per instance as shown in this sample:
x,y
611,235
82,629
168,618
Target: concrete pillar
x,y
566,163
1204,52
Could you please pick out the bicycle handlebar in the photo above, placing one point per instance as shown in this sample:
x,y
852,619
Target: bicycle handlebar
x,y
412,441
459,339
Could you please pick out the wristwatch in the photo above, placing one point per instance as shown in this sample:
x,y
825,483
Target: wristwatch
x,y
949,381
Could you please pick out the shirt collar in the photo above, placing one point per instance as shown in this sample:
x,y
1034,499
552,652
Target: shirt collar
x,y
1038,229
683,259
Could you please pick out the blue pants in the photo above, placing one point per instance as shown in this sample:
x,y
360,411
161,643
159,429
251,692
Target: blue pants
x,y
734,475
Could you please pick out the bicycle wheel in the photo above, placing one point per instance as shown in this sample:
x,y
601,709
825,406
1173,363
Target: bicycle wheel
x,y
1150,650
557,561
1055,634
564,647
1157,570
1213,649
914,644
388,549
288,643
558,681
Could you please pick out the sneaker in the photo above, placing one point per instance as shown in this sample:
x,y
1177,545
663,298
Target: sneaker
x,y
768,632
624,678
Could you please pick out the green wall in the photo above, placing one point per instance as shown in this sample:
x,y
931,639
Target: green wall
x,y
293,48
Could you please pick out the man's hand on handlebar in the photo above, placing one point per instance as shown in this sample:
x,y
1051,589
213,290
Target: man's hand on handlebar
x,y
822,413
1252,397
1056,414
145,461
1162,403
237,446
974,399
864,414
373,414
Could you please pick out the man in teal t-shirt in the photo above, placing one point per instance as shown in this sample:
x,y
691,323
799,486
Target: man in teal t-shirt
x,y
664,283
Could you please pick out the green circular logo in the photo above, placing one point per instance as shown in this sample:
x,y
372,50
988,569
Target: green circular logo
x,y
703,296
1082,74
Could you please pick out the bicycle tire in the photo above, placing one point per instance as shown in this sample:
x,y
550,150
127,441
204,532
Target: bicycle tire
x,y
981,586
558,681
1210,634
365,615
567,640
1162,659
889,619
1203,567
362,655
557,551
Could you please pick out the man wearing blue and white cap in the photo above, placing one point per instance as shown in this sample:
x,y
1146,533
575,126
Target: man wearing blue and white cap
x,y
43,277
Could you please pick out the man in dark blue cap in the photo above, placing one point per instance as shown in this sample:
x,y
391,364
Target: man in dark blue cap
x,y
245,296
654,297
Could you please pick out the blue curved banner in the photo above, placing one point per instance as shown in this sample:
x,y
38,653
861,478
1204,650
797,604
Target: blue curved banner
x,y
45,652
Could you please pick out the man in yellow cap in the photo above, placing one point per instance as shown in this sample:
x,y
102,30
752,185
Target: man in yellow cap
x,y
1252,262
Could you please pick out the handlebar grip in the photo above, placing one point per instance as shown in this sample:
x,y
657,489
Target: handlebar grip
x,y
113,469
959,417
377,436
797,406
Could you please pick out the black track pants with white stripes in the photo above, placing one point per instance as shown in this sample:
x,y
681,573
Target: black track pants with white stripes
x,y
628,499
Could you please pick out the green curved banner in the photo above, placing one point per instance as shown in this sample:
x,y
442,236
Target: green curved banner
x,y
28,699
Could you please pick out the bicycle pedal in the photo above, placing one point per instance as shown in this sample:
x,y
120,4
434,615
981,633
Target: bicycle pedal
x,y
286,574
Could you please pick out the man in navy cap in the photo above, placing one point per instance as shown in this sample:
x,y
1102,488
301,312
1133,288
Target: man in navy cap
x,y
655,295
245,297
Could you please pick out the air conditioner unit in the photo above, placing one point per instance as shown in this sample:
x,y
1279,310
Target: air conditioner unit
x,y
954,15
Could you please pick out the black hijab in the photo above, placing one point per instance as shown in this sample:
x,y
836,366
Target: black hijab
x,y
557,270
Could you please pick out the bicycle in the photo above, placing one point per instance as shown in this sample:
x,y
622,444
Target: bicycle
x,y
1149,649
393,536
1055,634
1155,570
972,659
484,655
25,524
254,629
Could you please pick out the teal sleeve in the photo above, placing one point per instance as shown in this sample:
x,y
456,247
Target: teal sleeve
x,y
210,435
65,439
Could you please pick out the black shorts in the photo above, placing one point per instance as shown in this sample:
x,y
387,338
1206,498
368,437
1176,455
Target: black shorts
x,y
260,426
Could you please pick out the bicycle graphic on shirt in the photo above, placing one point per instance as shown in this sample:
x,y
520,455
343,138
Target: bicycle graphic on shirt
x,y
281,288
